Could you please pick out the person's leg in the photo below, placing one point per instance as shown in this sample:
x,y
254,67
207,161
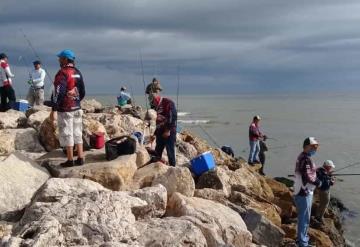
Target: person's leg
x,y
159,148
3,99
12,97
262,161
252,152
41,96
303,217
77,132
324,198
256,153
65,124
170,149
30,96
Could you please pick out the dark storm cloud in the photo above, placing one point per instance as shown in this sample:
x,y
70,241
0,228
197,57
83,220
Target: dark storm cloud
x,y
227,46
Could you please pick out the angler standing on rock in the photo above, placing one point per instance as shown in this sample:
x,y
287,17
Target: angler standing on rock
x,y
151,89
324,175
305,183
254,137
6,90
69,91
165,131
35,95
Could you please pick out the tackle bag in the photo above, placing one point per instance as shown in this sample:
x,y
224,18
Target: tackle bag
x,y
121,145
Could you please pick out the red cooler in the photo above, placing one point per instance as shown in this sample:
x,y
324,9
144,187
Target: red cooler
x,y
97,140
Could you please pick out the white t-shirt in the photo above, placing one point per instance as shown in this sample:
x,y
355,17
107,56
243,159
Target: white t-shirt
x,y
38,77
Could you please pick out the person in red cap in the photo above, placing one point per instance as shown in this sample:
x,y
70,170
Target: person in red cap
x,y
7,92
69,91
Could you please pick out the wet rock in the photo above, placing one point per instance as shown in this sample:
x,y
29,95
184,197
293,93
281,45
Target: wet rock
x,y
263,231
20,178
220,225
170,231
145,176
176,179
12,119
91,106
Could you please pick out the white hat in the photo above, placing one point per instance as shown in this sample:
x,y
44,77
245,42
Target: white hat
x,y
329,163
310,141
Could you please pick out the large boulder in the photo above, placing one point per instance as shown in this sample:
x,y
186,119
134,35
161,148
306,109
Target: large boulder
x,y
188,150
19,139
49,135
12,119
156,198
91,106
142,156
145,176
116,174
20,178
37,108
177,179
170,231
263,231
36,119
220,225
91,125
269,210
63,215
217,179
316,236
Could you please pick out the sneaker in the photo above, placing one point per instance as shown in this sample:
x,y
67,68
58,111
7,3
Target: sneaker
x,y
79,161
68,163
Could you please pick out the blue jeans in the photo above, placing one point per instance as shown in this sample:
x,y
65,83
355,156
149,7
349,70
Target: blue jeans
x,y
254,151
303,207
169,144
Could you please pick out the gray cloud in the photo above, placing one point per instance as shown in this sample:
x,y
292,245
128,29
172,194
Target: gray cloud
x,y
220,46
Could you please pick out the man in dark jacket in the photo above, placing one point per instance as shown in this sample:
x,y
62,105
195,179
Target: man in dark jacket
x,y
324,175
165,131
262,157
69,90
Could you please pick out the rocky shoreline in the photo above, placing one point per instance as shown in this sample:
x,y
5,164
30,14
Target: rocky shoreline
x,y
127,202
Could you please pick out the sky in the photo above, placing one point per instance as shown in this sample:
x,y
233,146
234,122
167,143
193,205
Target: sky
x,y
209,46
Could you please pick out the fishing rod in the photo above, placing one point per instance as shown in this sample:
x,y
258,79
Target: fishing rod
x,y
334,174
37,56
178,88
143,79
348,166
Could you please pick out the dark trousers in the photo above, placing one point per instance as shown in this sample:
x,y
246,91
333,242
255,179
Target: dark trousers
x,y
169,144
262,161
8,98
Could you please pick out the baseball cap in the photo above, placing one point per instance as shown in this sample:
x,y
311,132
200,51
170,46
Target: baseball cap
x,y
310,141
329,163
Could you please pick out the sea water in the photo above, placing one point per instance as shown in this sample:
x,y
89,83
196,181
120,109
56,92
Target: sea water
x,y
334,119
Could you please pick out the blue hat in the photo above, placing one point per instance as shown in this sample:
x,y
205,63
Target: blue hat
x,y
67,54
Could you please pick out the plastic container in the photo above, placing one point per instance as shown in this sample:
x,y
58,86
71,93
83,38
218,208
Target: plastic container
x,y
22,105
203,163
97,140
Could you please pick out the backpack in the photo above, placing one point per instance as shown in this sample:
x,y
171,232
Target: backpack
x,y
121,145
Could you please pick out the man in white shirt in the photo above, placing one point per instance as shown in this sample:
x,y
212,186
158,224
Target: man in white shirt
x,y
36,91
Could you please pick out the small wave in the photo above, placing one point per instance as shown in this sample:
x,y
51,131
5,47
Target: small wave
x,y
199,121
183,114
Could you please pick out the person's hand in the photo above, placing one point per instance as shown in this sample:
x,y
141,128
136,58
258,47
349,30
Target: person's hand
x,y
53,117
166,134
152,138
30,82
73,92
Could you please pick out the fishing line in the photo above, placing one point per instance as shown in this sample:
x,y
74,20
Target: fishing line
x,y
143,79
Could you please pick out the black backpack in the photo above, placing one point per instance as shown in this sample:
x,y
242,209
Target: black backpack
x,y
121,145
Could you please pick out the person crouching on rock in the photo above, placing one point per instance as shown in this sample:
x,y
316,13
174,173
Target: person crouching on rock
x,y
254,137
324,175
69,91
305,183
165,131
262,157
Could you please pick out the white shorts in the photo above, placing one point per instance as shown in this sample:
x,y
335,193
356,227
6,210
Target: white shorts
x,y
70,128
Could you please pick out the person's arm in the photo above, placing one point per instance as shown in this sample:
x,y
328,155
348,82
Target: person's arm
x,y
39,79
309,175
171,123
8,72
81,87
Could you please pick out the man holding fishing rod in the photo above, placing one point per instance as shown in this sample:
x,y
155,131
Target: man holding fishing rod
x,y
35,95
6,89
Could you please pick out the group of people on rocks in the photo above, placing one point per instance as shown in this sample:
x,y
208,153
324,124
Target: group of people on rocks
x,y
69,90
307,179
36,81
